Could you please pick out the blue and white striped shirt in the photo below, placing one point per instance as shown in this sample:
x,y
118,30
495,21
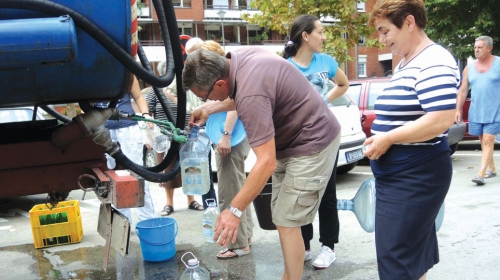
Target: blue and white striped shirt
x,y
427,83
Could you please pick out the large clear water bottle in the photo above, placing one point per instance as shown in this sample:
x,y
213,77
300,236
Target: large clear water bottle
x,y
194,165
440,217
158,140
193,270
203,137
209,219
363,205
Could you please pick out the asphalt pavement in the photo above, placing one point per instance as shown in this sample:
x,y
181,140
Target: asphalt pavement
x,y
468,239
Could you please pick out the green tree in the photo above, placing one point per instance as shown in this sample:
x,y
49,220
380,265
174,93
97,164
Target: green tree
x,y
457,23
277,15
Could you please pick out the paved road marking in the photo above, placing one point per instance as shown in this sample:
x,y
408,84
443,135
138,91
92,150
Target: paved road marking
x,y
5,228
2,220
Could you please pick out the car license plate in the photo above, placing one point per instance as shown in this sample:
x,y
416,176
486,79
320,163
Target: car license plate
x,y
354,155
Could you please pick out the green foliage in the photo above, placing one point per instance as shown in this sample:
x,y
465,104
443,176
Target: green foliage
x,y
277,15
77,110
140,5
264,36
457,23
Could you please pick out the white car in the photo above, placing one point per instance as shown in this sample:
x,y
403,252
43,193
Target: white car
x,y
19,114
351,143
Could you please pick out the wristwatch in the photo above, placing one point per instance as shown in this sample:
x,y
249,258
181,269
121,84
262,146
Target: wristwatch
x,y
226,133
237,212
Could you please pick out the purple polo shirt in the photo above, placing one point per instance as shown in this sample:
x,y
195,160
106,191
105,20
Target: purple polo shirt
x,y
273,99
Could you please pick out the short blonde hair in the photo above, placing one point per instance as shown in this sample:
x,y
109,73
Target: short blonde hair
x,y
214,47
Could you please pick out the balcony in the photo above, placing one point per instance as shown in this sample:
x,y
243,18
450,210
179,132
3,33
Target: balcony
x,y
233,13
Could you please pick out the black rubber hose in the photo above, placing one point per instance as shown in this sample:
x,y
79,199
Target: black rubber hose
x,y
55,114
168,22
161,97
95,32
168,26
146,174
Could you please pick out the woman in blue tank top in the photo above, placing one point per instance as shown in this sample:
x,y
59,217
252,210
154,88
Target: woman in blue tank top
x,y
304,51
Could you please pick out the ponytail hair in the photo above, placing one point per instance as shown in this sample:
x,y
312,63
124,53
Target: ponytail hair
x,y
303,23
289,50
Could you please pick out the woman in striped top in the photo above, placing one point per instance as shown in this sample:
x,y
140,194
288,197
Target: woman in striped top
x,y
409,153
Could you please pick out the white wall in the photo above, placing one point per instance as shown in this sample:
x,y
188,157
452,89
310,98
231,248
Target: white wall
x,y
156,54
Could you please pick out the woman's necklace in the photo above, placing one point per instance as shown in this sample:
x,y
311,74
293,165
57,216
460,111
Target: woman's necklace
x,y
415,51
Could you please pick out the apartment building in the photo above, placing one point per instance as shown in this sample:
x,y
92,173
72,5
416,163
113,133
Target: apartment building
x,y
221,19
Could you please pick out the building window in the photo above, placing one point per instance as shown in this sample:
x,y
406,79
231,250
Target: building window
x,y
186,31
362,65
361,6
213,34
362,41
182,3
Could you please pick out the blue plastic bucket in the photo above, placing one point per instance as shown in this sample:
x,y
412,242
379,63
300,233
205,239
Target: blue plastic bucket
x,y
157,237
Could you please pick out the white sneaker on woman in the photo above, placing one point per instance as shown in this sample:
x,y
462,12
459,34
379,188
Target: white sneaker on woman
x,y
307,256
325,258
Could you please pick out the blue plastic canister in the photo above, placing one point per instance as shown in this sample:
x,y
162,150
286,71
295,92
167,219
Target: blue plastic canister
x,y
92,73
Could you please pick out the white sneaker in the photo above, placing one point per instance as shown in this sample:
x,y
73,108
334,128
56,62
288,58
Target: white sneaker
x,y
307,256
325,258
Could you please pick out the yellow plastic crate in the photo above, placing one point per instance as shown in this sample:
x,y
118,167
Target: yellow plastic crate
x,y
57,226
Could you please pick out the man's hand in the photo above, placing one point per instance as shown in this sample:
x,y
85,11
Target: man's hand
x,y
226,228
224,145
198,117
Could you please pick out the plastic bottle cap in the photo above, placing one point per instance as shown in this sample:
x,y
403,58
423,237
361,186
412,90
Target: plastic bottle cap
x,y
193,133
193,262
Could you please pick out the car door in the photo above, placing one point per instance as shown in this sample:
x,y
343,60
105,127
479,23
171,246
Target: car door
x,y
372,92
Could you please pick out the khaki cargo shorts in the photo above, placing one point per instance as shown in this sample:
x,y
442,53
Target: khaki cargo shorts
x,y
299,184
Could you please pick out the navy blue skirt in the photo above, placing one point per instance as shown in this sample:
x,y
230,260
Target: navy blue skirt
x,y
411,185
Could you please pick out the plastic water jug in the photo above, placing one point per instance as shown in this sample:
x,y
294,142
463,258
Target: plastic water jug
x,y
209,219
193,270
158,141
440,217
194,165
203,138
363,206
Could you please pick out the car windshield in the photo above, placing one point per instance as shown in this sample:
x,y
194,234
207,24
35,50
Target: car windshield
x,y
354,91
374,91
16,115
